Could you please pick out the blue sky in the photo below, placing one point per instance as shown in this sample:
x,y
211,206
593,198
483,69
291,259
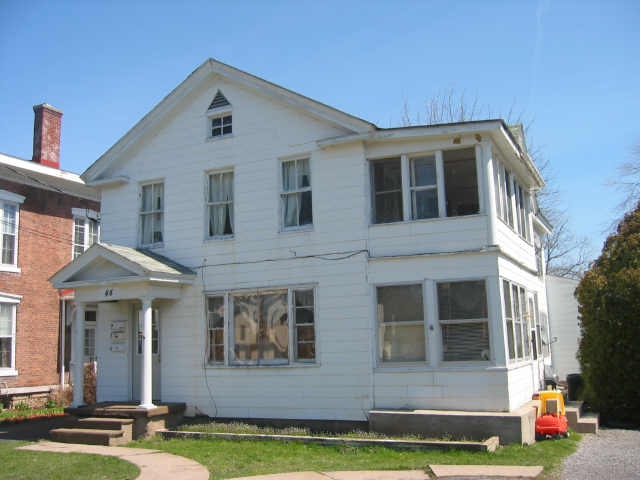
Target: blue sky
x,y
571,67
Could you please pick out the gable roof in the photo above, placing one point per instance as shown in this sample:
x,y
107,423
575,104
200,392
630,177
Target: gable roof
x,y
293,99
127,262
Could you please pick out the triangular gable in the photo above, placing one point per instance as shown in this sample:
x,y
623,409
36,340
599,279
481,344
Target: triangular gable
x,y
101,269
219,101
166,105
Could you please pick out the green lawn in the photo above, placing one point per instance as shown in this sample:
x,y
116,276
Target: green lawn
x,y
26,465
227,459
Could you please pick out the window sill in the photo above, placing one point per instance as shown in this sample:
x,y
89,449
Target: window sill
x,y
152,246
10,268
262,367
219,238
426,220
304,228
219,137
459,366
8,372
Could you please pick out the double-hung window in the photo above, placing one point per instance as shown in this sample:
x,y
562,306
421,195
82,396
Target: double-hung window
x,y
464,321
443,184
85,230
9,214
271,327
219,116
152,214
517,321
400,318
8,304
220,204
296,194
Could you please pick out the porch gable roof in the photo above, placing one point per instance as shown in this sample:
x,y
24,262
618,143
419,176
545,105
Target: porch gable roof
x,y
107,262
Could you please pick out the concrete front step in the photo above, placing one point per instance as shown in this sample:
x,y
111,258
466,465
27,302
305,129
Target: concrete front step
x,y
106,423
88,436
588,424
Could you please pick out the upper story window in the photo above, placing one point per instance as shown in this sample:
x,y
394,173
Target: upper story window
x,y
296,194
444,184
513,202
9,216
220,204
219,116
464,321
8,304
258,328
85,230
152,214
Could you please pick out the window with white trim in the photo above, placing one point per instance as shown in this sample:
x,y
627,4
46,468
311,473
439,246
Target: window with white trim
x,y
9,216
414,187
296,201
517,321
152,214
513,202
219,116
90,335
400,318
8,335
85,234
220,204
464,321
269,327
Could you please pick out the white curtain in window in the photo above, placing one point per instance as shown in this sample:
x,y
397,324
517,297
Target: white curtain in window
x,y
289,202
221,196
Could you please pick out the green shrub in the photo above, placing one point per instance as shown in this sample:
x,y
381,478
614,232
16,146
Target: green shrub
x,y
50,404
21,406
609,306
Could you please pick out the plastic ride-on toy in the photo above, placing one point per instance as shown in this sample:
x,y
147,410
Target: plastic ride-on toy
x,y
552,419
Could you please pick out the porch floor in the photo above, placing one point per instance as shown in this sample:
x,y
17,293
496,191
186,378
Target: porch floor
x,y
125,410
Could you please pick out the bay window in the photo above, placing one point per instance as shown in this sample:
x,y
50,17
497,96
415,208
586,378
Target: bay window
x,y
400,318
464,321
271,327
415,187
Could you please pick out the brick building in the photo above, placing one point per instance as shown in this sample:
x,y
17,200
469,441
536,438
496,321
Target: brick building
x,y
47,217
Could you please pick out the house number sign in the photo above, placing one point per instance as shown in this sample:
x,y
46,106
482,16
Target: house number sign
x,y
108,292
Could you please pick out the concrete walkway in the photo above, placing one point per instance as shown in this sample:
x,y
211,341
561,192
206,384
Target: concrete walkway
x,y
153,464
158,465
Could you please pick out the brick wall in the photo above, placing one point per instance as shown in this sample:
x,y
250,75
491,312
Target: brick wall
x,y
44,247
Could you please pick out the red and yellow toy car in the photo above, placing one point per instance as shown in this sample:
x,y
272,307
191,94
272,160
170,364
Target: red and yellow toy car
x,y
552,419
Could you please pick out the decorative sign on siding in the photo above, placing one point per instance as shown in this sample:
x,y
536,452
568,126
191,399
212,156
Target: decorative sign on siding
x,y
118,336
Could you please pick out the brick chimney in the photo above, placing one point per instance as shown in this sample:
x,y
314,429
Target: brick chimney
x,y
46,135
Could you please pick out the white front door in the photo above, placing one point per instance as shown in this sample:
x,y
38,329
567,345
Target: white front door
x,y
137,354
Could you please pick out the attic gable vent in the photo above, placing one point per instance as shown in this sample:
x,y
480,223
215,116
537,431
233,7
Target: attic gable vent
x,y
219,101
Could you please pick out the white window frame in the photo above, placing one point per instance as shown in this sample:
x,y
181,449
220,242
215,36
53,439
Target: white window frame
x,y
221,113
229,333
14,301
520,321
297,192
408,210
482,320
15,200
514,205
378,326
209,204
152,212
87,217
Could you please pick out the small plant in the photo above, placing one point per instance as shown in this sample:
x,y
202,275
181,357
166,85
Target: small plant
x,y
50,404
21,406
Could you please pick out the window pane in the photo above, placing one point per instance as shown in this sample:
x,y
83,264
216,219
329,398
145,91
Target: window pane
x,y
158,196
90,343
245,326
304,173
157,227
78,231
402,303
216,122
215,312
289,176
8,248
93,232
147,195
461,182
226,120
6,320
275,325
290,210
511,340
388,207
462,300
387,175
5,352
402,343
306,216
305,333
303,298
423,171
465,342
425,203
146,229
306,351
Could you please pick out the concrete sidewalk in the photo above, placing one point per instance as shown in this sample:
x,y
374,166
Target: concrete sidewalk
x,y
153,464
158,465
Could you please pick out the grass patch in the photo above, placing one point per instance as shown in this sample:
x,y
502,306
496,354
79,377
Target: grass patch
x,y
16,415
27,465
245,428
227,459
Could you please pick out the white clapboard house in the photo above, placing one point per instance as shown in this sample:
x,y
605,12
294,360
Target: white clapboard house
x,y
267,256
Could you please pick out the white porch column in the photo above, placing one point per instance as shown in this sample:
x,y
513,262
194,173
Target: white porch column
x,y
146,385
78,356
